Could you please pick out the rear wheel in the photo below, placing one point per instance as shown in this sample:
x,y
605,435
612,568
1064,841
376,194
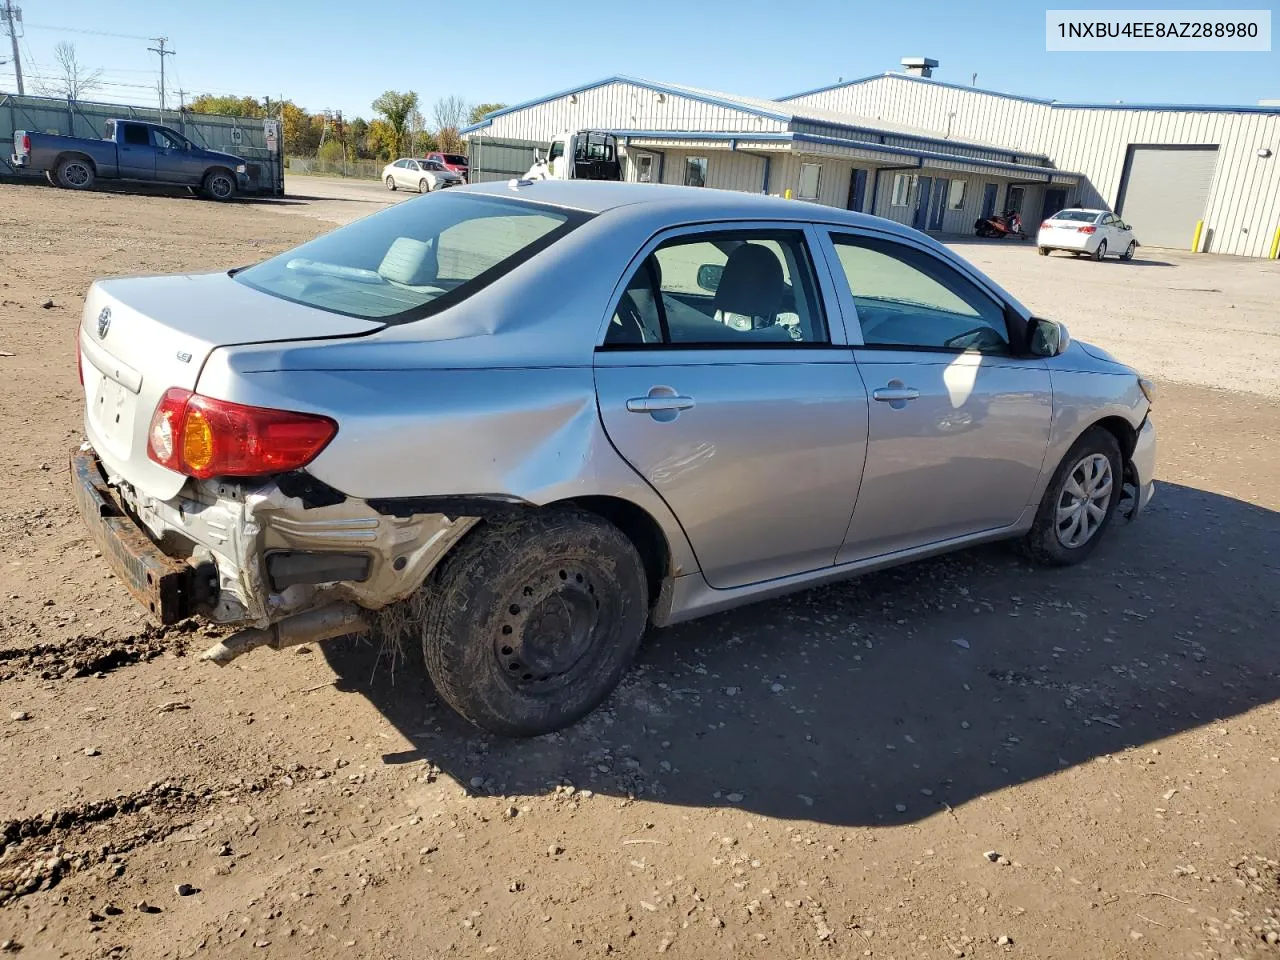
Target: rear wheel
x,y
1079,502
1128,251
529,624
219,185
75,173
1101,251
1043,251
391,182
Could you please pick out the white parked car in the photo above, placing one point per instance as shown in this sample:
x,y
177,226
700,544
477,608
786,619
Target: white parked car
x,y
1096,232
423,175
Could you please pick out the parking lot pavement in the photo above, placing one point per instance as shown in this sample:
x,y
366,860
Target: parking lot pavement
x,y
1082,762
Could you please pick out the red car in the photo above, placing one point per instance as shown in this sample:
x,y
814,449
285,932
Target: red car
x,y
452,161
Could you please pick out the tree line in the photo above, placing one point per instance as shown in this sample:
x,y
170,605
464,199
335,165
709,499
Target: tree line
x,y
398,127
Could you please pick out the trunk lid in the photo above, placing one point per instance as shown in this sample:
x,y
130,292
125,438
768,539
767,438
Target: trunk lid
x,y
141,336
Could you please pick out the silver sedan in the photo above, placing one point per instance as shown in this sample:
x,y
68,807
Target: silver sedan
x,y
519,423
423,175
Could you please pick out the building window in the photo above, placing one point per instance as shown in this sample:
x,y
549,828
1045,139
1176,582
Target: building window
x,y
904,185
810,174
695,171
644,168
956,196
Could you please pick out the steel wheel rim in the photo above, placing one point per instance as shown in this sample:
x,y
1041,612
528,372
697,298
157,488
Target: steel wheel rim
x,y
220,187
1082,504
548,632
76,174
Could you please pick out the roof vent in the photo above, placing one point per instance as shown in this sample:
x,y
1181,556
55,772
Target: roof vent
x,y
919,66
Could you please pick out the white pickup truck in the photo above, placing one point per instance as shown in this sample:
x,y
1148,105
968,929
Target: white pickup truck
x,y
580,155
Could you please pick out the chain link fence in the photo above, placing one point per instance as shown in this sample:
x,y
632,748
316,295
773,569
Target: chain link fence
x,y
317,167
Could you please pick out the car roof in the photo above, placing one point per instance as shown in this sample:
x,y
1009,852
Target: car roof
x,y
689,203
1081,210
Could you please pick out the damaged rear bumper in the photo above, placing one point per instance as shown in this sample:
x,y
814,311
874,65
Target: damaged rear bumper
x,y
252,554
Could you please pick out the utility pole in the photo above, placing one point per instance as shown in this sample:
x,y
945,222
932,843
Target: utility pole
x,y
182,101
163,53
12,16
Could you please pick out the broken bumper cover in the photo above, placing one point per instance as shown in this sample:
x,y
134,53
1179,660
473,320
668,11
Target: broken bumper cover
x,y
171,589
1144,467
253,555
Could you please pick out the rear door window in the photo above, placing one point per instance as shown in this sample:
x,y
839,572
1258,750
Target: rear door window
x,y
413,259
136,135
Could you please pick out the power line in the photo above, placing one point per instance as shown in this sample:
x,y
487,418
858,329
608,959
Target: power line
x,y
94,33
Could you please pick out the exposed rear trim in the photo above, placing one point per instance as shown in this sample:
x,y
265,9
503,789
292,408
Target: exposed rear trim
x,y
172,590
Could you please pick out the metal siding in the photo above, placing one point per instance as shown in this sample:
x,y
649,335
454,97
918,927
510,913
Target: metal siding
x,y
1166,192
1243,207
624,106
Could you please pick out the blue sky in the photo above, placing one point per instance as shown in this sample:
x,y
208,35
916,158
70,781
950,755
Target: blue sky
x,y
340,55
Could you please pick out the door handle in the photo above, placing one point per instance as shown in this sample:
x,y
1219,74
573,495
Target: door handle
x,y
658,404
895,394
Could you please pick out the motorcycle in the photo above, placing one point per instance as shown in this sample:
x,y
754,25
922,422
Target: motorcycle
x,y
1008,224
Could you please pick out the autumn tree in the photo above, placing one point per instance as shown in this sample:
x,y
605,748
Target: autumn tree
x,y
482,110
226,106
395,108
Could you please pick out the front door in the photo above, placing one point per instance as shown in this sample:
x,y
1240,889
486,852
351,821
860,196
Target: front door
x,y
959,422
176,162
938,205
920,218
136,152
1054,201
857,190
989,192
719,383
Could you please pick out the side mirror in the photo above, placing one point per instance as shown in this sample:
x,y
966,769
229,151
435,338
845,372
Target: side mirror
x,y
1049,338
709,275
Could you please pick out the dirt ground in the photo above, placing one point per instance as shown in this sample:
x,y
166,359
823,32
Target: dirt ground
x,y
968,757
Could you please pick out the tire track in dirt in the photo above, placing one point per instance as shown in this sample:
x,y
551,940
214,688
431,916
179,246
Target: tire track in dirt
x,y
38,852
86,656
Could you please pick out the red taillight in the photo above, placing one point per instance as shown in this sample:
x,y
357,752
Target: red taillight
x,y
1087,229
202,437
1045,224
26,143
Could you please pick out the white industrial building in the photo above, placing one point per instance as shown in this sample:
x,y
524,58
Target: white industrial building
x,y
932,154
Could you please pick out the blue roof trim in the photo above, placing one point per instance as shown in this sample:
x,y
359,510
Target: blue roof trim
x,y
788,136
1055,104
637,82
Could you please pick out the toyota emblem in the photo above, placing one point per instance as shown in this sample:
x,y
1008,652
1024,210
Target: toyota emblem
x,y
104,322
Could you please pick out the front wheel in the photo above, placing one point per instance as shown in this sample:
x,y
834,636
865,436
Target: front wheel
x,y
424,186
220,185
1079,502
1128,251
75,173
529,624
1101,251
391,183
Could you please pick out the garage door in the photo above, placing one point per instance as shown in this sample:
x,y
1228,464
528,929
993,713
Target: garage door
x,y
1165,192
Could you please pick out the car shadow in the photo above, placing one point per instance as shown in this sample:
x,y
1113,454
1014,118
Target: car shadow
x,y
890,698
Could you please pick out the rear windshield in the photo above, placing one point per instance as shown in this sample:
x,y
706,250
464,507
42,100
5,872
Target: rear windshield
x,y
456,160
1083,216
413,259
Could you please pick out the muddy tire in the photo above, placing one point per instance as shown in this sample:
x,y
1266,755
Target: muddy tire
x,y
1079,502
529,624
75,173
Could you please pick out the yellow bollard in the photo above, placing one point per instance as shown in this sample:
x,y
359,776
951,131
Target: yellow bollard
x,y
788,193
1275,245
1195,241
